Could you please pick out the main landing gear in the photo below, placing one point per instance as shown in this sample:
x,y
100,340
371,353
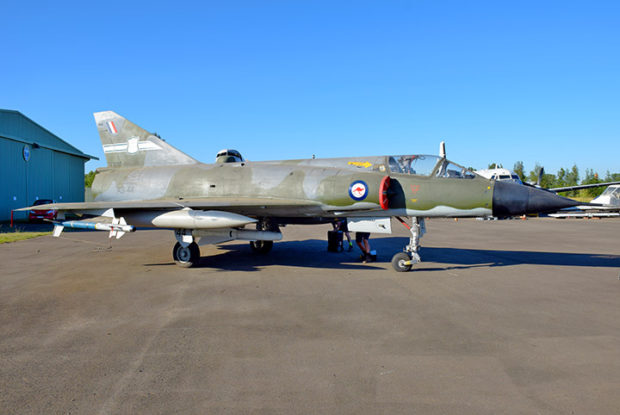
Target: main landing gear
x,y
263,247
186,256
403,261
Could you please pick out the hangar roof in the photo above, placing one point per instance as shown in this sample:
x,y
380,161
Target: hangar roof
x,y
17,127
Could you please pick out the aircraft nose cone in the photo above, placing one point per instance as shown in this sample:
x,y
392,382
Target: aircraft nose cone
x,y
511,199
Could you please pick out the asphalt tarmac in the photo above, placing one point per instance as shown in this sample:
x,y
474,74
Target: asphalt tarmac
x,y
511,317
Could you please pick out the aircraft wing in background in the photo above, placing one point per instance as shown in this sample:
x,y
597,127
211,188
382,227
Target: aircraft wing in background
x,y
583,186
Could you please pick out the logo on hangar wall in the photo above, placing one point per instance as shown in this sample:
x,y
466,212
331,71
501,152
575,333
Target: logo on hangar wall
x,y
358,190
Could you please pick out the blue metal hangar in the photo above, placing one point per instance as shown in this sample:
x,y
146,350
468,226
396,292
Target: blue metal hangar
x,y
36,164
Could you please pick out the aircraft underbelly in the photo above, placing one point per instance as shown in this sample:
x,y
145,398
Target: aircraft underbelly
x,y
437,211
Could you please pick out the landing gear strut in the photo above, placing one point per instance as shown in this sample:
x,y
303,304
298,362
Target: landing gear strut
x,y
403,261
263,247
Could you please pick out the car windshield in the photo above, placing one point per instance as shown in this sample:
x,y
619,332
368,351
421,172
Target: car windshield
x,y
42,202
426,165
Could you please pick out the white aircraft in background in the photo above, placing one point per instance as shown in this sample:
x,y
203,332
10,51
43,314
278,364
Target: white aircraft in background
x,y
500,174
608,202
610,206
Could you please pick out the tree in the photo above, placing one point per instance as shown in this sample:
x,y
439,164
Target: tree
x,y
547,180
518,169
89,178
612,177
592,178
560,180
572,179
533,176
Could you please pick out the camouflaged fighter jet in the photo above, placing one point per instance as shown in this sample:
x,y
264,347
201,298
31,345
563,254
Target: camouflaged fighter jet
x,y
149,183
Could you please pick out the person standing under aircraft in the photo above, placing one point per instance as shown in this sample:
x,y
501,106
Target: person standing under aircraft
x,y
361,238
341,225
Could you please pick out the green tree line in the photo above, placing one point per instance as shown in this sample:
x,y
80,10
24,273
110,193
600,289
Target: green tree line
x,y
89,177
567,177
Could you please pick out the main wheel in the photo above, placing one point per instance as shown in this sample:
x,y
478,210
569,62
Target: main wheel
x,y
399,262
261,247
186,257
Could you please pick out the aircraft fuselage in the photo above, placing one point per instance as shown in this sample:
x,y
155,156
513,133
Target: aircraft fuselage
x,y
337,190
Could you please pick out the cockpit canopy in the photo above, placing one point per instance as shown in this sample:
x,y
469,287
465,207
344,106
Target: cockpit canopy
x,y
228,156
421,164
612,190
427,165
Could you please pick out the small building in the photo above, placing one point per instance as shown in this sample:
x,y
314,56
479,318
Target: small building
x,y
36,164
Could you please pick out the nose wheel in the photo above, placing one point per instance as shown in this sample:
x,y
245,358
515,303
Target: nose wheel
x,y
403,261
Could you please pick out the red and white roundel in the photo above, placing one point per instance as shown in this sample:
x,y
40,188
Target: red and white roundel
x,y
358,190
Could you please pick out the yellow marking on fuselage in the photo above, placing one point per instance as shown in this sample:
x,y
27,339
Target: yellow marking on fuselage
x,y
365,164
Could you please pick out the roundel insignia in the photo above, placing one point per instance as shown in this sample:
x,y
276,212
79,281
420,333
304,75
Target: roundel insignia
x,y
358,190
26,152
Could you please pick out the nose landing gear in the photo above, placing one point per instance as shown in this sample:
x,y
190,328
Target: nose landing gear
x,y
403,261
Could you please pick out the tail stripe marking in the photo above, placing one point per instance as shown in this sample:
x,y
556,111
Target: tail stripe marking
x,y
111,127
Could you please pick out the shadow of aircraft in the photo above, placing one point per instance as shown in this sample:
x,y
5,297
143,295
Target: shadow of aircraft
x,y
471,258
313,253
310,253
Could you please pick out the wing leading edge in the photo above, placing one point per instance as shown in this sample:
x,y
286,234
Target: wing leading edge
x,y
248,206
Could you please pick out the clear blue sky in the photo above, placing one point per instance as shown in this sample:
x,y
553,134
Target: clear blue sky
x,y
536,81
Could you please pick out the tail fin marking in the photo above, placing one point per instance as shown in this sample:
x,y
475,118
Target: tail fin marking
x,y
127,145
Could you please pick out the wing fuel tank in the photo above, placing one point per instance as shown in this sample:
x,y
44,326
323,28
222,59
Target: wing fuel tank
x,y
189,219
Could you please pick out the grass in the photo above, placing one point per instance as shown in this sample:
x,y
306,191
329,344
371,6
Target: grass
x,y
20,236
583,199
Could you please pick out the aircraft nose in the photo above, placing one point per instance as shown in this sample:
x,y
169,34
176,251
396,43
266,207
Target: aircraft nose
x,y
511,199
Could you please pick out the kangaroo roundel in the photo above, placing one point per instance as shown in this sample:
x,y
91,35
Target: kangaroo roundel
x,y
358,190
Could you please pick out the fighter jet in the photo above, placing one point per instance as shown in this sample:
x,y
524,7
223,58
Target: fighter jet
x,y
149,183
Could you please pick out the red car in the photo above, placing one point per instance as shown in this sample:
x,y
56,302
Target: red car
x,y
40,215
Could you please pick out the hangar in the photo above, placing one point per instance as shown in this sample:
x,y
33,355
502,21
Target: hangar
x,y
36,164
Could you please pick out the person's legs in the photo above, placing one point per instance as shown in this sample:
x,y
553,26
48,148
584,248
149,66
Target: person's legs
x,y
361,238
348,235
367,247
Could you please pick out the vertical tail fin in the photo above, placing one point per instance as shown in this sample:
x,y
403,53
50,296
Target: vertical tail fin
x,y
127,145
